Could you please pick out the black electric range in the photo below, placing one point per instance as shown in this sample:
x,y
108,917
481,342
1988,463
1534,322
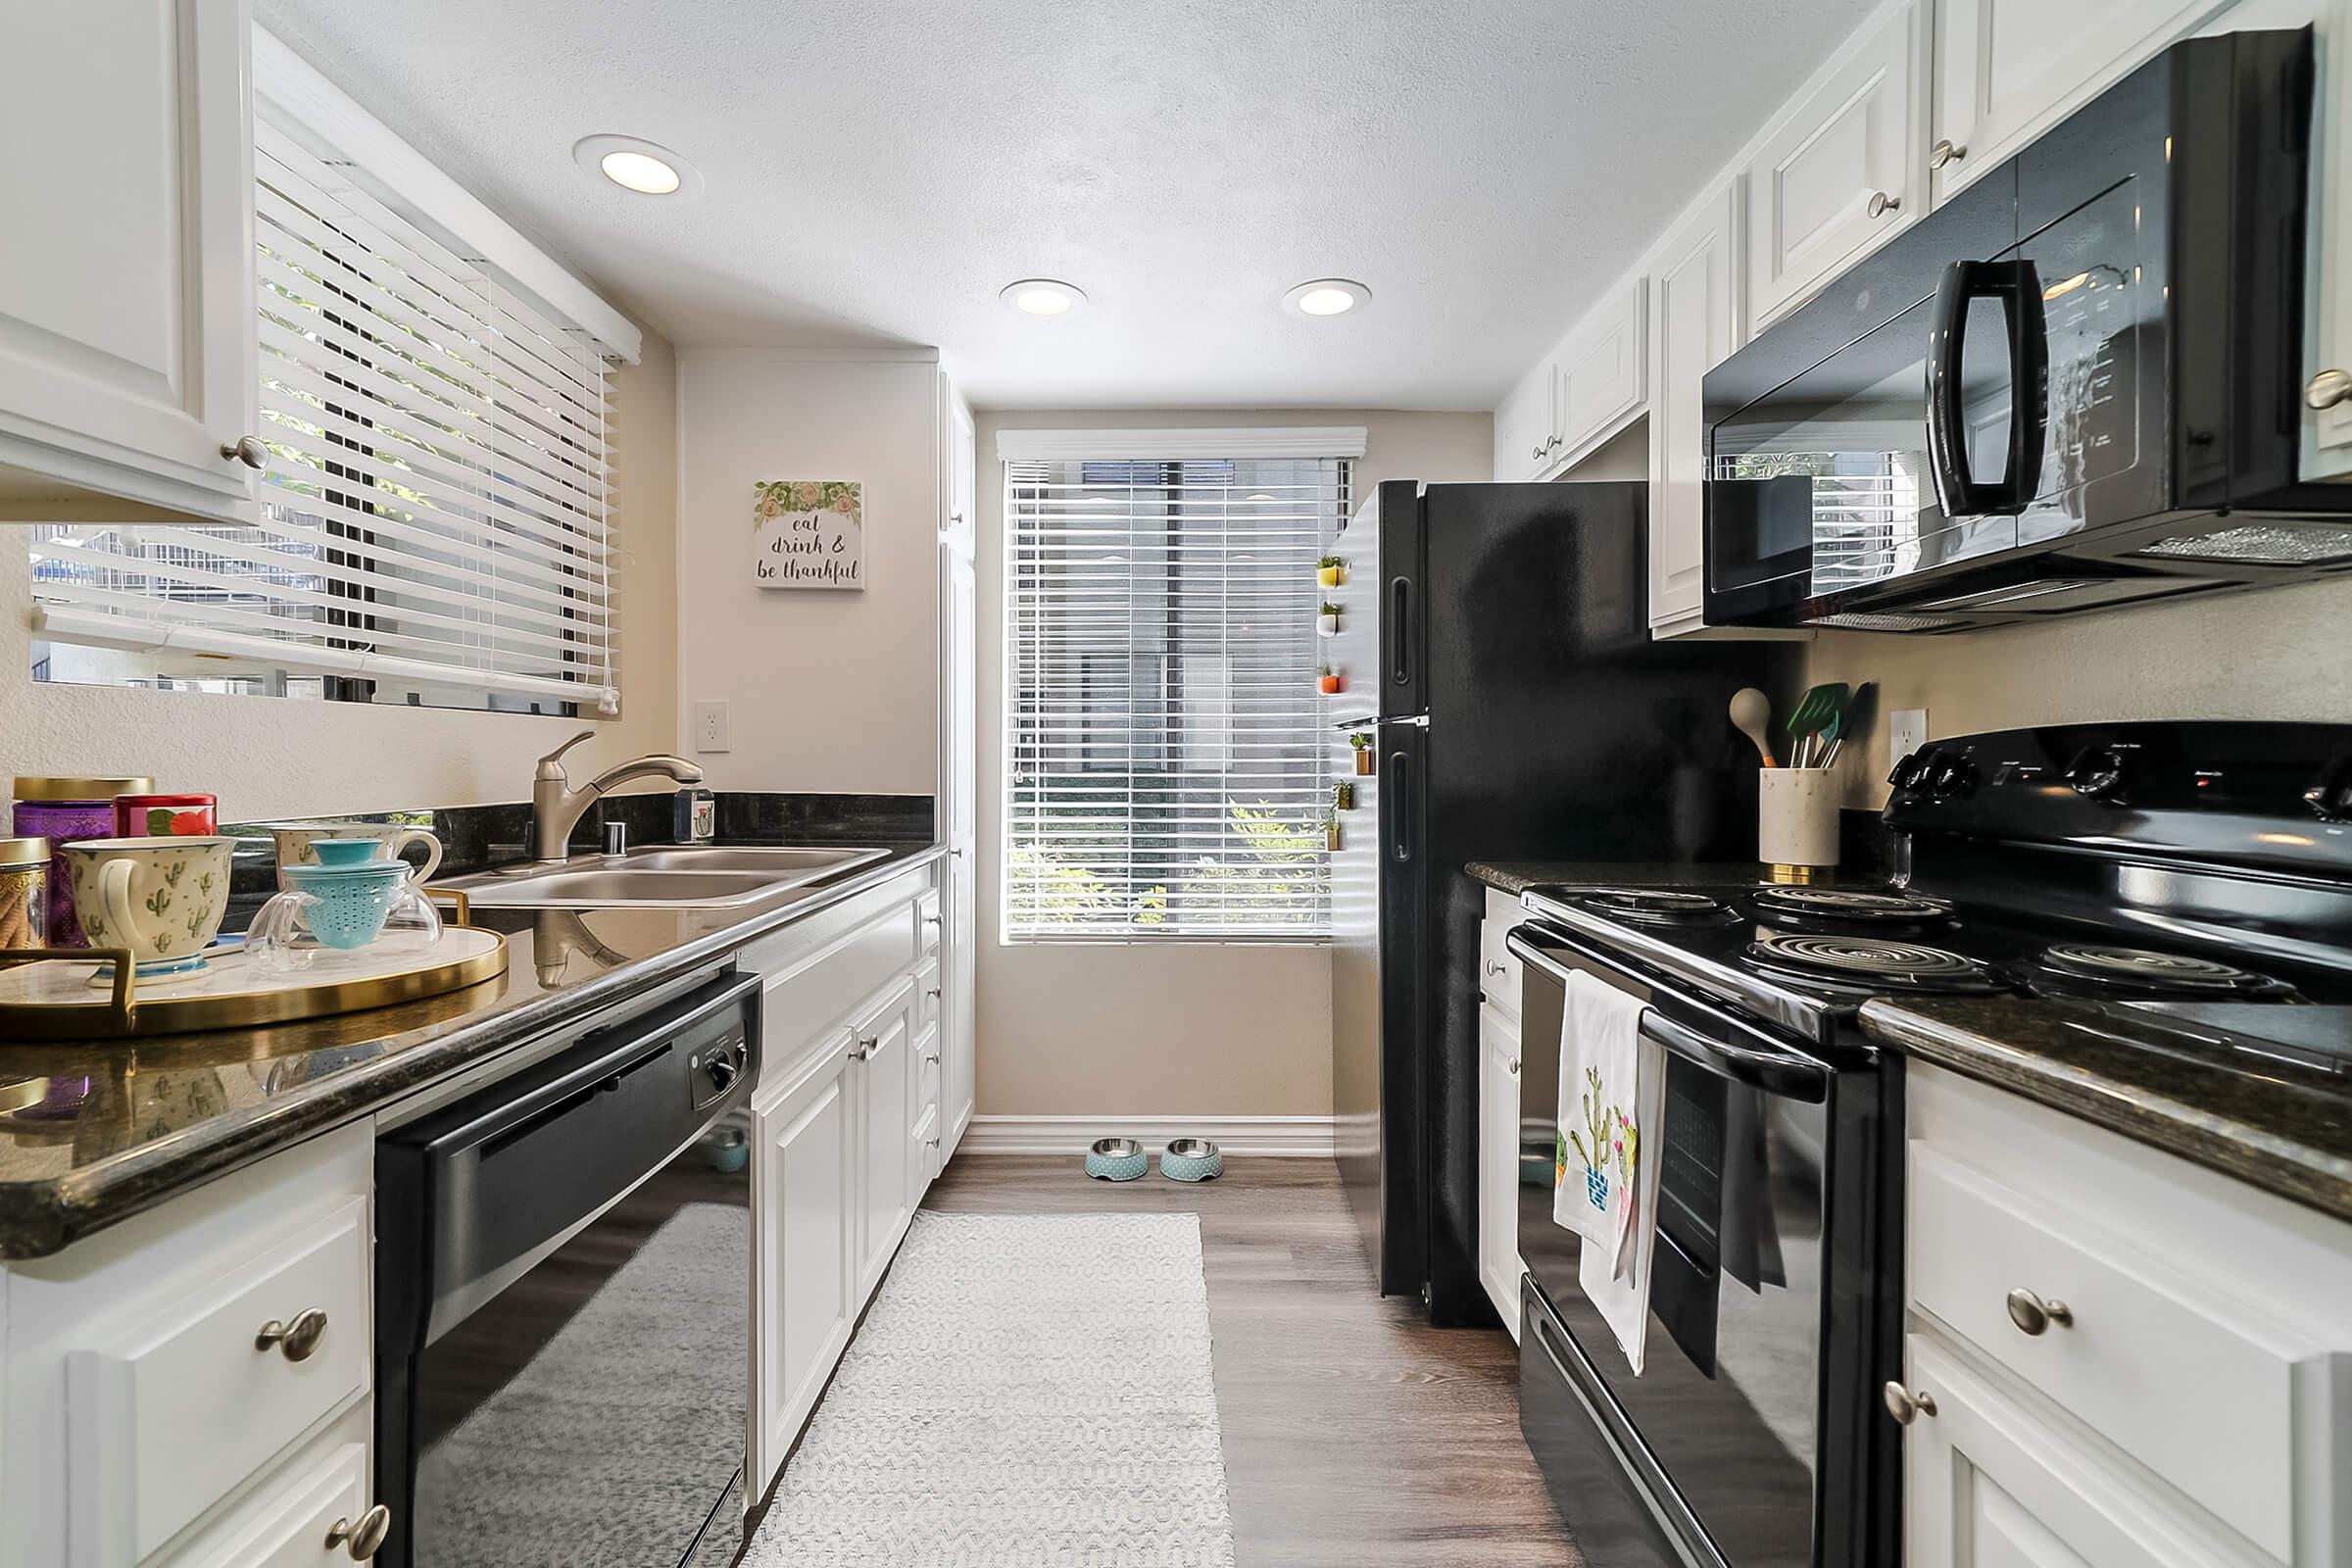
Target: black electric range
x,y
2194,879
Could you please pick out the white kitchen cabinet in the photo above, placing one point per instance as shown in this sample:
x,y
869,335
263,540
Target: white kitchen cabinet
x,y
882,1064
1524,445
2005,70
2129,1358
1694,324
2327,430
960,827
1498,1267
805,1174
1601,374
1844,169
127,349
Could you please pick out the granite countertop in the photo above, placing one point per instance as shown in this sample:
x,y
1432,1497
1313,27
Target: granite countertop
x,y
1517,876
92,1133
2283,1129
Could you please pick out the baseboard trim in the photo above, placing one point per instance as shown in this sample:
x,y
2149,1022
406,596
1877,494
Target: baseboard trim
x,y
1287,1137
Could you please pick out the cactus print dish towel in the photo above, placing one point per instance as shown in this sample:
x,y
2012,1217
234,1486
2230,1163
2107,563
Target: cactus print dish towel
x,y
1604,1175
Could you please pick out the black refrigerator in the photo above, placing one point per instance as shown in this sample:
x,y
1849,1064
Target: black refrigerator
x,y
1493,645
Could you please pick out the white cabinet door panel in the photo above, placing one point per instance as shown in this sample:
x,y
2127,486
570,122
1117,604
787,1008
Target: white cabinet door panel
x,y
805,1179
1523,426
1839,177
1498,1165
1602,373
884,1069
127,314
1694,324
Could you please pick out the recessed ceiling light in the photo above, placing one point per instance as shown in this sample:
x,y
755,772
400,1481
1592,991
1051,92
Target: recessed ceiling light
x,y
636,164
1042,296
1327,296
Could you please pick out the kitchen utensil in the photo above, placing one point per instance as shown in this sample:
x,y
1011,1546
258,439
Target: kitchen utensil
x,y
298,844
1751,716
1832,734
1814,710
1115,1160
160,898
1192,1159
344,907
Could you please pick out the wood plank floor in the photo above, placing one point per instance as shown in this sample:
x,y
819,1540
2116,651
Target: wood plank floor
x,y
1353,1434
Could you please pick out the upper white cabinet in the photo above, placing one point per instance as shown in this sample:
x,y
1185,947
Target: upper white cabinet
x,y
1842,171
1694,325
2327,426
2007,70
1591,386
128,356
1523,439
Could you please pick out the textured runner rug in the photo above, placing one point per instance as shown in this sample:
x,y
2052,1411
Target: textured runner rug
x,y
1030,1389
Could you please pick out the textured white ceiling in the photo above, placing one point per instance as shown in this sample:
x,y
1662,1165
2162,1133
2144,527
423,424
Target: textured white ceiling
x,y
879,169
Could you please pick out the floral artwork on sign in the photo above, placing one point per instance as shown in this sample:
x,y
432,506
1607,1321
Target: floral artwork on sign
x,y
808,533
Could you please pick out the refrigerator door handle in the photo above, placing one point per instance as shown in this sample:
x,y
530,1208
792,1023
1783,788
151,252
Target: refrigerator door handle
x,y
1400,630
1400,796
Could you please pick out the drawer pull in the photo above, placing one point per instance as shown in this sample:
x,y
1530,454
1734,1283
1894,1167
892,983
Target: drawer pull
x,y
2035,1316
364,1539
295,1341
2327,389
933,993
1907,1406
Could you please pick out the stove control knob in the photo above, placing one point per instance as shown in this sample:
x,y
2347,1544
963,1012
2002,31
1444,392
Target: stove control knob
x,y
2330,798
2097,773
1953,778
1911,770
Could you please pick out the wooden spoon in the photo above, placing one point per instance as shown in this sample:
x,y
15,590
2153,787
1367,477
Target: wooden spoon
x,y
1751,716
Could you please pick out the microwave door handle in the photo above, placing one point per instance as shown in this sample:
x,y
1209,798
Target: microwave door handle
x,y
1947,424
2030,386
2016,285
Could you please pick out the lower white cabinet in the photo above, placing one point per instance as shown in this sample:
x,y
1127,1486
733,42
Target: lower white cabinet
x,y
845,1119
288,1524
1498,1267
2113,1357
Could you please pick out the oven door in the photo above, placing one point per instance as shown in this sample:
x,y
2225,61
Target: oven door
x,y
1721,1434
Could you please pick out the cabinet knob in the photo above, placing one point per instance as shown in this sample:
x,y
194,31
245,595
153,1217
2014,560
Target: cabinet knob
x,y
1495,966
249,450
297,1339
1945,152
866,1047
2327,389
2035,1316
364,1537
1907,1406
1552,444
1880,204
1514,1067
1537,453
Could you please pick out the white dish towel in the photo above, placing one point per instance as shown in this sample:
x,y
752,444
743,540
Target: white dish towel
x,y
1604,1169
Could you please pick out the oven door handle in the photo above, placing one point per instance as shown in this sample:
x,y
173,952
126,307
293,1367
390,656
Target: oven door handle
x,y
1758,1065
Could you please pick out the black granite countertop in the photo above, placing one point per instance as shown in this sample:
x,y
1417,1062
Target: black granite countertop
x,y
93,1133
1517,876
2275,1126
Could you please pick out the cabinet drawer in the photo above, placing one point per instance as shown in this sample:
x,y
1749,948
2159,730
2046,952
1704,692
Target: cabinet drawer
x,y
803,1004
179,1410
926,1071
2201,1393
927,993
285,1524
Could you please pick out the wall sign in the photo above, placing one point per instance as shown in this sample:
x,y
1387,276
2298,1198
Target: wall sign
x,y
808,533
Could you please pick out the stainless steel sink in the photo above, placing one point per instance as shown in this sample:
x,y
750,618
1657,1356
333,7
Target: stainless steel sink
x,y
774,859
697,877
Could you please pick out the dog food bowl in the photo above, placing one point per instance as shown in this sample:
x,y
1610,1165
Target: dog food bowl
x,y
1192,1159
1115,1160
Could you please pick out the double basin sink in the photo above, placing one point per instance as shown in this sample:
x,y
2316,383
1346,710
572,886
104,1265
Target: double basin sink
x,y
686,877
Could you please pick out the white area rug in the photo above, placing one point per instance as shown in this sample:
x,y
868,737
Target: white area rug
x,y
1030,1389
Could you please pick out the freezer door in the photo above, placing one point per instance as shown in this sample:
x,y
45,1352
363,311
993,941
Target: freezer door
x,y
1404,619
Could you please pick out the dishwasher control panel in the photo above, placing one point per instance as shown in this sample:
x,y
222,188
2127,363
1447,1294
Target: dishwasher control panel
x,y
718,1055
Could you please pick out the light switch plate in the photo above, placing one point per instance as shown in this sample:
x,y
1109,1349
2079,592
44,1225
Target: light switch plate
x,y
711,726
1906,732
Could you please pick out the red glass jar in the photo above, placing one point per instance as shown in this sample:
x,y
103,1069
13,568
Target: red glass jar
x,y
141,817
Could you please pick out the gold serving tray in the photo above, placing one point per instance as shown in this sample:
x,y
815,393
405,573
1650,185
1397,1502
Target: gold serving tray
x,y
59,998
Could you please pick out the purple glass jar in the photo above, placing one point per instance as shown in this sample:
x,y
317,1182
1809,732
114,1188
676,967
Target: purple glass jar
x,y
61,810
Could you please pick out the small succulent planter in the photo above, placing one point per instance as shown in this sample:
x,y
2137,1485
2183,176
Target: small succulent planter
x,y
1331,572
1342,796
1329,681
1331,835
1327,621
1362,744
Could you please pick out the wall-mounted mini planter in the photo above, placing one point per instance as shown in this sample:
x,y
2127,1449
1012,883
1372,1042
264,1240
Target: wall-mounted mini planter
x,y
1327,622
1330,571
1330,681
1331,836
1342,796
1363,752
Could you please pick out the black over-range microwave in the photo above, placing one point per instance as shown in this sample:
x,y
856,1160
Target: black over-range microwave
x,y
2075,385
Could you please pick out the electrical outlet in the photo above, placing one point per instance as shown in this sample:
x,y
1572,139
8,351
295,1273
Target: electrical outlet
x,y
711,726
1906,732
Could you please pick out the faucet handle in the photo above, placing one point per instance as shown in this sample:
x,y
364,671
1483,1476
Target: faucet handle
x,y
552,764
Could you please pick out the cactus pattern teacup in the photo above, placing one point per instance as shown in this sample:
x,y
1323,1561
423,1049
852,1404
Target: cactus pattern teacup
x,y
298,844
161,898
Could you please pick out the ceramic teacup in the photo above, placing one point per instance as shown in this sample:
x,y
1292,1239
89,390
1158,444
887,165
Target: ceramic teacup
x,y
298,844
161,898
346,906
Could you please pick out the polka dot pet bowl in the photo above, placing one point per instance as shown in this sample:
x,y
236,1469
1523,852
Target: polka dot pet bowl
x,y
1192,1159
1115,1160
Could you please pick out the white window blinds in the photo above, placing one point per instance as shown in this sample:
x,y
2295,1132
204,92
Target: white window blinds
x,y
1164,733
433,510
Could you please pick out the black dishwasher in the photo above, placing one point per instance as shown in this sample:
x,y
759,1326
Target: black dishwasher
x,y
564,1302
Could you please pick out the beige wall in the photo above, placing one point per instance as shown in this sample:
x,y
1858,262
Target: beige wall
x,y
2275,652
1173,1029
826,690
283,757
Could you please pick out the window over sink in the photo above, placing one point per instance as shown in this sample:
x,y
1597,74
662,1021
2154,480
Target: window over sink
x,y
1164,734
431,525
